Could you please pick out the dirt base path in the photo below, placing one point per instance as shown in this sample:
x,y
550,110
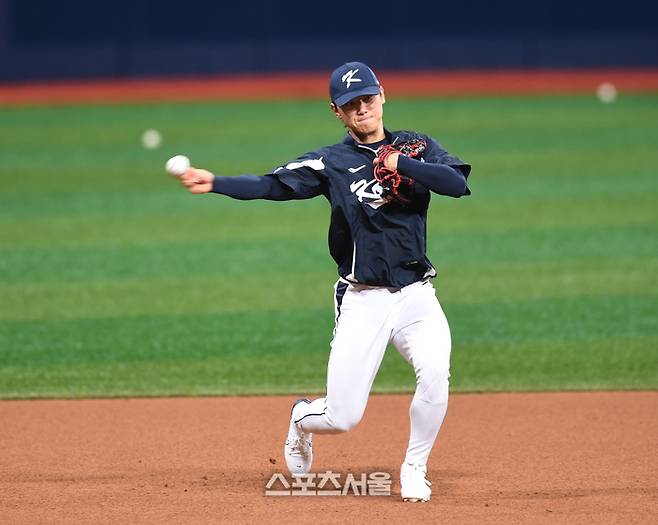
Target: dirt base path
x,y
314,86
504,458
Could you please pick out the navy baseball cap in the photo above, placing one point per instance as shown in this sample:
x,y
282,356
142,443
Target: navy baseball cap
x,y
352,80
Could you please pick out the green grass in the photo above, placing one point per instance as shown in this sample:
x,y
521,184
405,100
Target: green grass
x,y
114,281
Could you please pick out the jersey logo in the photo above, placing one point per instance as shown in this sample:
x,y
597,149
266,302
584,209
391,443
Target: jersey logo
x,y
314,164
369,192
349,77
354,170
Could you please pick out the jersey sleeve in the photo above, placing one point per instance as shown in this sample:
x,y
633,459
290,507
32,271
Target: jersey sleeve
x,y
305,176
436,154
249,187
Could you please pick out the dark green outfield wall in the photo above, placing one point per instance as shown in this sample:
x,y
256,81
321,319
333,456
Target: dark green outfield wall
x,y
40,39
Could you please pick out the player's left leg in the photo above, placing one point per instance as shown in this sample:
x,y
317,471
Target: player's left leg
x,y
423,339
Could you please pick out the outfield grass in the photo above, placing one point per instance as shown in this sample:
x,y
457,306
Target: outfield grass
x,y
114,281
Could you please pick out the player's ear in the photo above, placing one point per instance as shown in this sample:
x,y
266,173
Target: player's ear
x,y
334,108
381,92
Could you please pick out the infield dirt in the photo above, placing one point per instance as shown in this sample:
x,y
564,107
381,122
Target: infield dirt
x,y
501,458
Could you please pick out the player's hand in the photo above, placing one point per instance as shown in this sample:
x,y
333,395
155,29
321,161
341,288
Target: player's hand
x,y
197,180
391,162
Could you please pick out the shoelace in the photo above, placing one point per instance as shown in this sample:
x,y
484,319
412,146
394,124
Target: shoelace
x,y
298,446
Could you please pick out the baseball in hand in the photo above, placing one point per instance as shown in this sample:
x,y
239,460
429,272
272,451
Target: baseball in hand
x,y
177,165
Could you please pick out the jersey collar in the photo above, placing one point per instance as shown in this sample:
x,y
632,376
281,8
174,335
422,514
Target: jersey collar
x,y
349,140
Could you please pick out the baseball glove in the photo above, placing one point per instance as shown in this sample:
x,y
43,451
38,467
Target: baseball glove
x,y
395,186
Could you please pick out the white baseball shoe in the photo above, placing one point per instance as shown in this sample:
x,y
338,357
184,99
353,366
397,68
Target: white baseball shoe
x,y
413,483
298,449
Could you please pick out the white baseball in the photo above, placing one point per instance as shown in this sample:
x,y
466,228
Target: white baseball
x,y
177,165
606,92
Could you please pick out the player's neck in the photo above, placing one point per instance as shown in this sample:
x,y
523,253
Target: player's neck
x,y
368,138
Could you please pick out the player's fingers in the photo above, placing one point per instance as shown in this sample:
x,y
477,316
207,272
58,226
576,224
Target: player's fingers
x,y
190,178
391,161
200,188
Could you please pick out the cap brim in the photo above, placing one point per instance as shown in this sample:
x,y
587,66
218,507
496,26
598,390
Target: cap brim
x,y
369,90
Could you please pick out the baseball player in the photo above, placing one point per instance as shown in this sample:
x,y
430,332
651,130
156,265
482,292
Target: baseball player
x,y
379,184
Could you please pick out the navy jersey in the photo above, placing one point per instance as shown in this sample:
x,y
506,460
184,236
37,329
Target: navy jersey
x,y
373,241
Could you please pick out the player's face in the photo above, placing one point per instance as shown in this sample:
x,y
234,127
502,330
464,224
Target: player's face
x,y
363,116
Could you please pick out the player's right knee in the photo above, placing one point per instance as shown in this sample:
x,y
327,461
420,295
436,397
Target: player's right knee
x,y
346,421
345,425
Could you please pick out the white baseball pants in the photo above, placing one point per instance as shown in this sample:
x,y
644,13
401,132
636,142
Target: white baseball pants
x,y
367,320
